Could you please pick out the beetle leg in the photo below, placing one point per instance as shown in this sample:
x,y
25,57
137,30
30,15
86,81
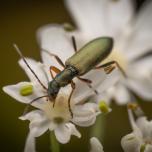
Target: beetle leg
x,y
84,80
109,69
88,82
110,66
69,99
74,44
55,69
56,57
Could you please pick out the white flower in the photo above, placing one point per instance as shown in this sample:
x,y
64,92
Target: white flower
x,y
132,34
95,145
57,118
140,140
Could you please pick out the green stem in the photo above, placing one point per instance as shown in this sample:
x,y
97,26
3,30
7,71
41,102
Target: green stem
x,y
55,147
98,128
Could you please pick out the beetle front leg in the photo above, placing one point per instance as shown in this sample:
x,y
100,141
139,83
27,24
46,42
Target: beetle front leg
x,y
55,69
69,99
110,66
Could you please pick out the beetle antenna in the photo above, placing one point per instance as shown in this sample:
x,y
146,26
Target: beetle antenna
x,y
28,105
21,55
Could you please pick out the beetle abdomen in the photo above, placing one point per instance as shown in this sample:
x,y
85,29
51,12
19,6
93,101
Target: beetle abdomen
x,y
91,54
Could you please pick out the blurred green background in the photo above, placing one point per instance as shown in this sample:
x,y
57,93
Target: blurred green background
x,y
19,20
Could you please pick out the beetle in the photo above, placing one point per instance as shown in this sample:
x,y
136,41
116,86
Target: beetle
x,y
84,60
80,63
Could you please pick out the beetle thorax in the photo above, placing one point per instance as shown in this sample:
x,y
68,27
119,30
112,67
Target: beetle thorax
x,y
65,77
53,89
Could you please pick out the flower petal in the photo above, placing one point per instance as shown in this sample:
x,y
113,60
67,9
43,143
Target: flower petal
x,y
142,87
38,125
63,133
121,94
148,148
110,80
140,41
100,82
38,122
143,67
14,91
100,17
96,146
145,126
113,87
85,115
37,67
73,129
30,143
56,40
131,143
96,76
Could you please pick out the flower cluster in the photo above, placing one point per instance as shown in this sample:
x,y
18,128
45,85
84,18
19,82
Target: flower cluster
x,y
56,115
132,41
132,45
140,140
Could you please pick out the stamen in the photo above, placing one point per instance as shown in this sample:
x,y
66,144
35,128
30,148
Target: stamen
x,y
26,90
132,106
104,107
136,109
130,138
132,121
68,27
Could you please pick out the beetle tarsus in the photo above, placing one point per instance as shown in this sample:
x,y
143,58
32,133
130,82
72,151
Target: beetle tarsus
x,y
110,66
109,69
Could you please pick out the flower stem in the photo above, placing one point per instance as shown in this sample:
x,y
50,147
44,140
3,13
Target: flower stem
x,y
98,128
55,147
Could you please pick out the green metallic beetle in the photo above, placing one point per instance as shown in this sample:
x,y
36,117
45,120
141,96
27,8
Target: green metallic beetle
x,y
87,58
80,63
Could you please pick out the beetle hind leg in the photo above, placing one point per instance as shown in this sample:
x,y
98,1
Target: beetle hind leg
x,y
88,82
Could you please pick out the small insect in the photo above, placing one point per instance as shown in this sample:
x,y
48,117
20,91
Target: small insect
x,y
84,60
